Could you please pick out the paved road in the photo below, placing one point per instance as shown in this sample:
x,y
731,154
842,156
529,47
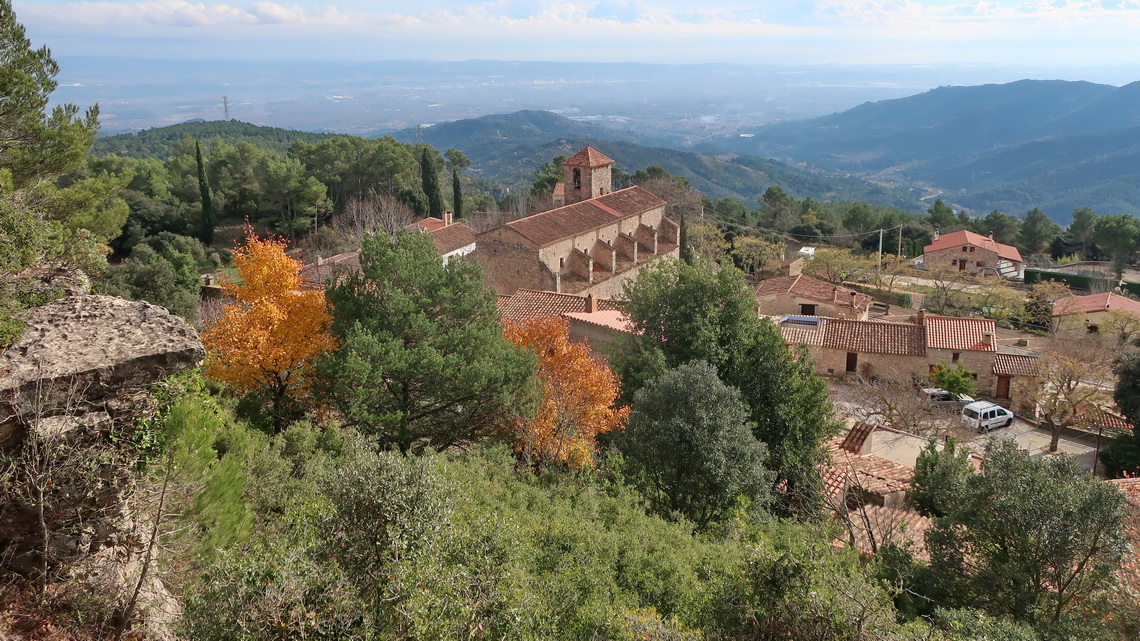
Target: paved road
x,y
1036,441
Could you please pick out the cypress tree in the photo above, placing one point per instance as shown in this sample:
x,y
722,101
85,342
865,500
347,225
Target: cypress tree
x,y
686,252
207,233
456,194
430,178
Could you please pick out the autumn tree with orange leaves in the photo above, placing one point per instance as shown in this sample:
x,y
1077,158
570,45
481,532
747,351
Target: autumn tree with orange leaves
x,y
578,395
266,343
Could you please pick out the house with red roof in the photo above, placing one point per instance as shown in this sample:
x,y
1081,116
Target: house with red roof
x,y
905,350
593,244
1106,313
974,254
806,296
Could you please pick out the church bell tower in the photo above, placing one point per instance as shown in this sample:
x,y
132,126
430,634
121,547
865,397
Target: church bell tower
x,y
586,175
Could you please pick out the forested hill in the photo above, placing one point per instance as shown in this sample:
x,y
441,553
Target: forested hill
x,y
159,142
489,136
507,148
1049,144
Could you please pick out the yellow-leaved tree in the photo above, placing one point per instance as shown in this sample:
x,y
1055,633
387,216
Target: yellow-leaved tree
x,y
266,343
579,392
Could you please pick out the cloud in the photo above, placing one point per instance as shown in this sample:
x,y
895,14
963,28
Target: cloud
x,y
907,31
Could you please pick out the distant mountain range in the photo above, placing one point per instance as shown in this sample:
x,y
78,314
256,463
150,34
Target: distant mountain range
x,y
1052,144
508,148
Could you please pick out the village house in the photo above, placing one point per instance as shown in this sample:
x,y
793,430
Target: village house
x,y
451,239
867,494
973,254
901,350
593,244
1095,313
806,296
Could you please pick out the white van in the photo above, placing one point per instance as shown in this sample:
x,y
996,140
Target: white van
x,y
983,416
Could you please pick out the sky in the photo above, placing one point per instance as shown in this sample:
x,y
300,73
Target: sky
x,y
1039,33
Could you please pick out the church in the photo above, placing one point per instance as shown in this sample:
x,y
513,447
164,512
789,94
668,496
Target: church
x,y
591,243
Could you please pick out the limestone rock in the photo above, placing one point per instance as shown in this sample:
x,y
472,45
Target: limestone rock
x,y
81,349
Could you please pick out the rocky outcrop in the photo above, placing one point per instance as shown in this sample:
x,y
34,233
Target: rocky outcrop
x,y
72,389
83,351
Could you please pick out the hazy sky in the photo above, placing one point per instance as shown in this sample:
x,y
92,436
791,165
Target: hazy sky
x,y
1041,33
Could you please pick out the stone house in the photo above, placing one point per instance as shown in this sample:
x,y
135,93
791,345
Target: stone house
x,y
806,296
452,240
894,350
1093,314
593,244
972,254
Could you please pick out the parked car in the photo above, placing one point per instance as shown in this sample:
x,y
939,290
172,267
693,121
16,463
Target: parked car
x,y
984,416
945,400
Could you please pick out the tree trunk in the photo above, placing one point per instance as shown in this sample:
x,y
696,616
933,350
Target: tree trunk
x,y
1055,436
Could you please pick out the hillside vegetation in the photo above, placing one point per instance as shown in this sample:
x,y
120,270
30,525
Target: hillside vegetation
x,y
505,148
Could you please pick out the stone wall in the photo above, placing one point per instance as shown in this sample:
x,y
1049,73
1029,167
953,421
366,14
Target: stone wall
x,y
789,303
979,262
613,287
508,267
980,363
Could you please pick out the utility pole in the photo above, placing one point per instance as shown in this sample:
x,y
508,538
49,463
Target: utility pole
x,y
900,241
880,250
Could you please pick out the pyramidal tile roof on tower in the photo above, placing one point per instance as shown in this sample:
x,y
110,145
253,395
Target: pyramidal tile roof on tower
x,y
588,157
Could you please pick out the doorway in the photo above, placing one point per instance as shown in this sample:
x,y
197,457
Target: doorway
x,y
852,362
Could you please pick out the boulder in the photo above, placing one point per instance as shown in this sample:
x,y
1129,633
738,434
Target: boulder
x,y
80,350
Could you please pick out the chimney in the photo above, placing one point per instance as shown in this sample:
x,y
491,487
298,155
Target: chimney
x,y
988,338
920,318
991,235
591,303
448,218
935,234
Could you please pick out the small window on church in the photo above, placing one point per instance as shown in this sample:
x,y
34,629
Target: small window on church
x,y
577,179
561,263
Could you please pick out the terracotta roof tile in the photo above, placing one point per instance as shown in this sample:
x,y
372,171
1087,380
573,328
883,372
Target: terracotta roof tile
x,y
1015,365
872,474
612,319
890,525
873,337
1106,301
428,224
796,333
562,222
1094,416
315,275
962,334
526,304
856,437
958,238
815,289
452,237
588,157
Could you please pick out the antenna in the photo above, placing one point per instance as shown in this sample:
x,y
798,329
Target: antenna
x,y
226,106
419,138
